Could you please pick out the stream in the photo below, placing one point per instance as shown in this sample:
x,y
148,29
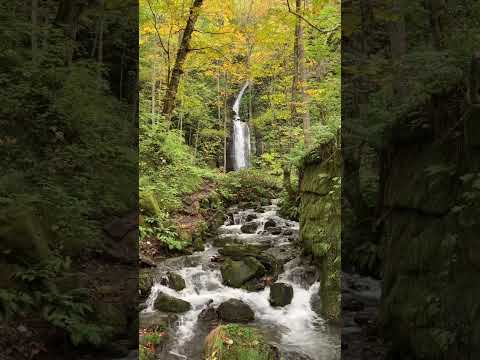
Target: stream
x,y
296,330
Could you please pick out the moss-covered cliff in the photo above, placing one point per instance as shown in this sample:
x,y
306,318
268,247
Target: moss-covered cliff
x,y
320,221
432,250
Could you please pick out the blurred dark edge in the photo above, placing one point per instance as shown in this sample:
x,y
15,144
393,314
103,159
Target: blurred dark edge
x,y
411,179
69,179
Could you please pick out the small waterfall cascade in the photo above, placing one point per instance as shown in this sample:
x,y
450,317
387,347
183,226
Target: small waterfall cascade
x,y
241,135
297,330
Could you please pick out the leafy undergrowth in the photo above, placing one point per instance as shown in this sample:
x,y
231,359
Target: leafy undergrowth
x,y
37,293
237,342
168,173
177,191
150,340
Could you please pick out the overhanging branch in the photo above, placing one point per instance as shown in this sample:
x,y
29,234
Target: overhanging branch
x,y
308,22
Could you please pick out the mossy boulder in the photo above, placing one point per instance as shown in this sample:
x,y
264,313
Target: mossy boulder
x,y
198,244
270,223
156,320
171,304
237,342
175,281
145,282
249,227
236,311
239,251
281,294
236,273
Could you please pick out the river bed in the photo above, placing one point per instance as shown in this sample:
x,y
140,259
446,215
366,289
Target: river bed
x,y
297,330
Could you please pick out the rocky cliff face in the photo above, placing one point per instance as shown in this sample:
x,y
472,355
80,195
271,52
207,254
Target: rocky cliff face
x,y
320,221
431,242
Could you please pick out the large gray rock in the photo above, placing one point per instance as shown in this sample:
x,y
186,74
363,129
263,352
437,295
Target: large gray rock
x,y
237,311
145,282
239,251
281,294
249,228
170,304
269,224
175,281
236,273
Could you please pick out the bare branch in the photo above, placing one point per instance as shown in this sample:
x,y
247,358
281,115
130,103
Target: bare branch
x,y
155,25
213,32
218,51
322,31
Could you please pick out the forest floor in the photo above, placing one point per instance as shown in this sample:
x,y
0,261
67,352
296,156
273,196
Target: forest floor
x,y
189,218
187,221
32,337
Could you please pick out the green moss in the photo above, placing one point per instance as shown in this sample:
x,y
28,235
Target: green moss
x,y
236,342
320,222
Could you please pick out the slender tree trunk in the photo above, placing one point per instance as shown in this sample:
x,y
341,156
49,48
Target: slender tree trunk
x,y
398,45
180,120
225,127
95,39
154,80
437,10
100,44
299,96
134,88
120,85
196,137
172,87
303,78
287,184
34,40
219,108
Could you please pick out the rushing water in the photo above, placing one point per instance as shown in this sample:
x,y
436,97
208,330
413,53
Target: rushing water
x,y
241,135
296,329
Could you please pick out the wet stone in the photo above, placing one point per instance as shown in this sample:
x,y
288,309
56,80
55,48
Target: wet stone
x,y
237,311
249,228
269,224
175,281
281,294
171,304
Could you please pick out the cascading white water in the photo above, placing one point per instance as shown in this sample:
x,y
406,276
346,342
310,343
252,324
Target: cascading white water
x,y
241,135
297,328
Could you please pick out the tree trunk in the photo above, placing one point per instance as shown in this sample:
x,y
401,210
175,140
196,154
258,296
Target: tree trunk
x,y
154,80
437,10
172,87
34,40
120,85
398,45
299,96
67,16
225,127
100,44
196,137
287,184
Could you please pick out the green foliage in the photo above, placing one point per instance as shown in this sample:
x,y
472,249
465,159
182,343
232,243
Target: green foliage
x,y
237,342
248,185
168,172
68,310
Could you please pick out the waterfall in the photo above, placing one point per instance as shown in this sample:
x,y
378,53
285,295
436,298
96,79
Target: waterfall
x,y
241,135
